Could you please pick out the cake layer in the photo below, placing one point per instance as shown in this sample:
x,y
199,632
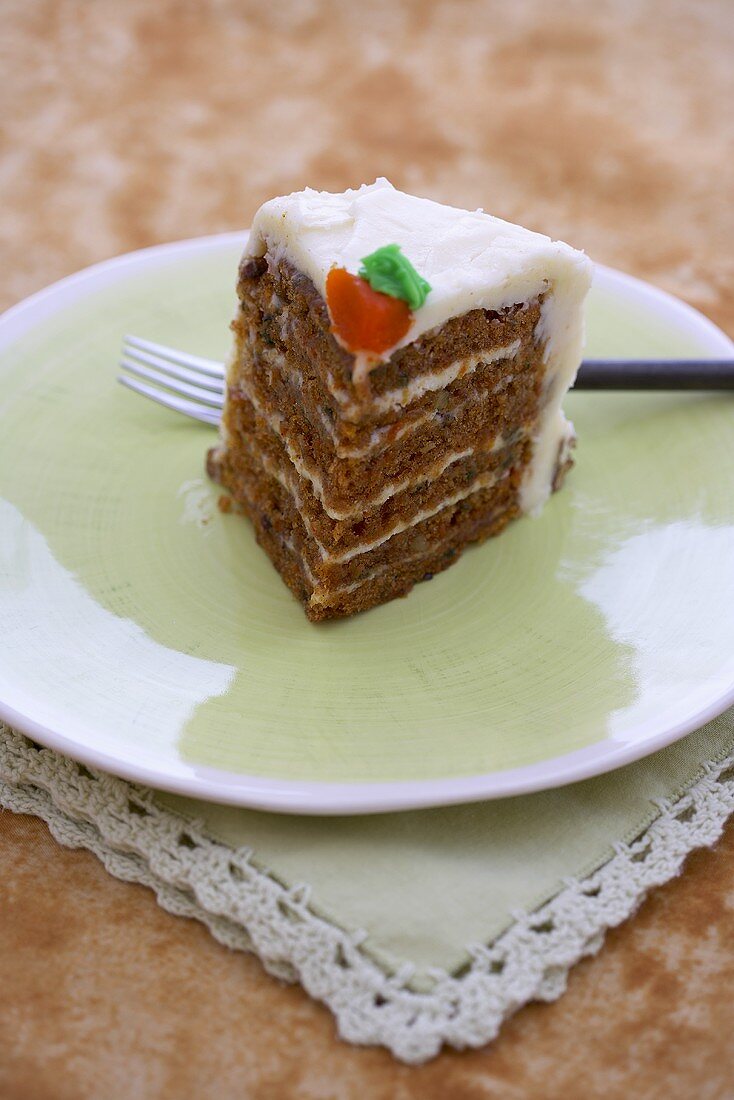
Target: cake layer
x,y
281,309
489,402
397,504
329,591
483,399
256,485
397,578
348,487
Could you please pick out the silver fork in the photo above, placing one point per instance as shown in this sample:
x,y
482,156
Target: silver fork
x,y
188,384
195,386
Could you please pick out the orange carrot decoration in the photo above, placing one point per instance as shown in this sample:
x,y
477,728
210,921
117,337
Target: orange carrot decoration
x,y
362,318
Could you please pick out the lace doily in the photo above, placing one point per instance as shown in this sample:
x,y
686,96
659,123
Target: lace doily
x,y
246,909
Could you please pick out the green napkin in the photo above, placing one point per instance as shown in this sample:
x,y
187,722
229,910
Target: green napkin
x,y
426,884
416,929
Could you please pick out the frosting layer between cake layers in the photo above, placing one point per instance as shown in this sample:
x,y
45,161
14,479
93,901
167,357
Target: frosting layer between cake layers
x,y
471,260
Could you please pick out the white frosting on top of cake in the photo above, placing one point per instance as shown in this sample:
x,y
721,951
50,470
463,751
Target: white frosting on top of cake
x,y
471,261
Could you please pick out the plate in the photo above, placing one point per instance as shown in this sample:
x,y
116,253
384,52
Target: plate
x,y
145,633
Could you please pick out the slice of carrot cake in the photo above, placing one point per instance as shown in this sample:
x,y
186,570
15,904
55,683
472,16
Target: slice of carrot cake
x,y
395,385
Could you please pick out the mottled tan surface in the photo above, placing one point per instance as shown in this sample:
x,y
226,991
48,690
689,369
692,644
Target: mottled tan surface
x,y
137,122
106,996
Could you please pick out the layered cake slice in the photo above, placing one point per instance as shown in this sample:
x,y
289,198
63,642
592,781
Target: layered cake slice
x,y
394,389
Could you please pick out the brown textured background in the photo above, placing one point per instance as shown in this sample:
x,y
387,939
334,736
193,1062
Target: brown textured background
x,y
128,123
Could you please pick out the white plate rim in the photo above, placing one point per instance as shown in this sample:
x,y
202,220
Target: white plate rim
x,y
330,798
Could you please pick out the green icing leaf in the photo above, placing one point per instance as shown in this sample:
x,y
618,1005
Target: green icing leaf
x,y
390,272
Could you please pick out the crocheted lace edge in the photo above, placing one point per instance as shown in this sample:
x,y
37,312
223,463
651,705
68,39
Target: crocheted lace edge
x,y
246,909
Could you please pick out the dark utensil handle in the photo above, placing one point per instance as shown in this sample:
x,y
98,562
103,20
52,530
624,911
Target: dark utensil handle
x,y
656,374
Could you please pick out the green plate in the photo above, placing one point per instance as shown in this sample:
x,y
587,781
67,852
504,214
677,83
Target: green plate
x,y
144,632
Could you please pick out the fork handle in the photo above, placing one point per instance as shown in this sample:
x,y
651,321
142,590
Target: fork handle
x,y
656,374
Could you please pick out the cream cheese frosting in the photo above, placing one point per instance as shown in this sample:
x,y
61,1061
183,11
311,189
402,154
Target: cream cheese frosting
x,y
471,261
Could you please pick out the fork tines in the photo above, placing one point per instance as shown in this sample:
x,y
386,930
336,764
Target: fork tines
x,y
188,384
